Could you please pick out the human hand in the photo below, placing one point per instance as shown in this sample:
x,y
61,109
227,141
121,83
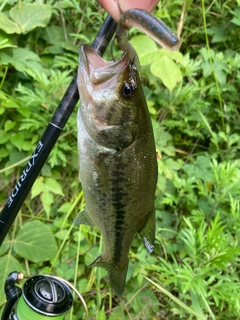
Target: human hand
x,y
116,7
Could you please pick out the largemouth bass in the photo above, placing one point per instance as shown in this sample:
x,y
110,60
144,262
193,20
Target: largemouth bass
x,y
118,165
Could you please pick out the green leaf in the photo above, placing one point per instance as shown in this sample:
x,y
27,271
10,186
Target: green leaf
x,y
201,169
4,153
149,58
146,48
7,25
15,156
168,71
30,15
35,242
91,255
65,207
195,303
17,140
161,138
101,315
65,271
236,19
47,199
2,110
4,137
187,5
165,221
167,167
161,183
144,45
149,53
83,285
46,187
8,264
62,234
176,55
37,187
207,69
5,246
6,40
53,186
53,35
118,313
24,59
8,125
142,301
9,103
219,34
219,72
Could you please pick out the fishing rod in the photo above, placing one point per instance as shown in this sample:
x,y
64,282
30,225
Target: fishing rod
x,y
44,296
50,137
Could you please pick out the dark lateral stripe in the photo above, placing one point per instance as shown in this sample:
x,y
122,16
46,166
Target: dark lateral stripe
x,y
119,236
119,199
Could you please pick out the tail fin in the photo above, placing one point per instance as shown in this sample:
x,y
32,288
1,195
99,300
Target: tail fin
x,y
117,276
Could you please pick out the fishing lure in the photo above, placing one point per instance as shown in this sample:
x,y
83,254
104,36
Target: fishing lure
x,y
150,25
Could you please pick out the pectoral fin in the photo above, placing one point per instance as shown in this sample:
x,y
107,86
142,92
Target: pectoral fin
x,y
148,232
117,276
84,218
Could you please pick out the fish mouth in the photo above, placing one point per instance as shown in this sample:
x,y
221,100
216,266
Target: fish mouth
x,y
98,69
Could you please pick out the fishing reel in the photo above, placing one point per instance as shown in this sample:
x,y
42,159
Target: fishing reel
x,y
42,297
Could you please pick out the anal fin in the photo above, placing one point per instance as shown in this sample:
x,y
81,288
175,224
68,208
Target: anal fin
x,y
84,218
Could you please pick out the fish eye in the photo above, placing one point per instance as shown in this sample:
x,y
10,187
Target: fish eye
x,y
127,90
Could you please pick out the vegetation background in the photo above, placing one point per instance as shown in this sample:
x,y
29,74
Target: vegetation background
x,y
193,99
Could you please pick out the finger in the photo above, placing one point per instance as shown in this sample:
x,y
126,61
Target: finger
x,y
116,7
147,5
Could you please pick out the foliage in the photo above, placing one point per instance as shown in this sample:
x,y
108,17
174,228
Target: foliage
x,y
193,98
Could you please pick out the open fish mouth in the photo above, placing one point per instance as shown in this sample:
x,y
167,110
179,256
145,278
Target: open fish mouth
x,y
98,69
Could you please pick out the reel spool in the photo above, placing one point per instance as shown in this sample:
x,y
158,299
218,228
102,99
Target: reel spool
x,y
41,298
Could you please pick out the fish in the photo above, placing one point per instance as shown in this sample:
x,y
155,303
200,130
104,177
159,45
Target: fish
x,y
117,159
